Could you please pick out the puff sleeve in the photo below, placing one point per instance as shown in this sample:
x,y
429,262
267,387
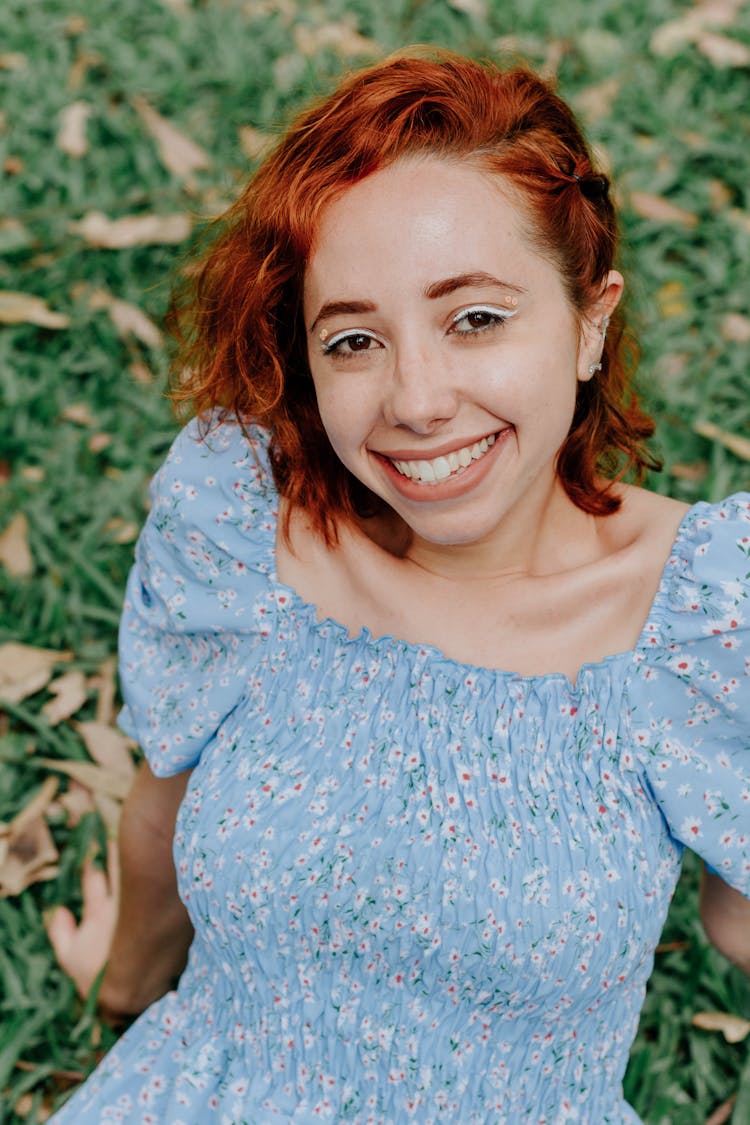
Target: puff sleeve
x,y
189,631
689,699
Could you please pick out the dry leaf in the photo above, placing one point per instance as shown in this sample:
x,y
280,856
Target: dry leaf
x,y
178,153
721,50
341,37
722,1113
732,1027
675,34
82,64
132,230
253,142
477,8
76,25
140,373
15,554
103,683
740,218
659,209
736,327
720,195
70,695
695,471
71,137
97,443
27,845
12,60
108,747
34,473
25,308
595,102
97,779
734,442
122,531
25,670
78,412
109,810
76,802
128,319
670,298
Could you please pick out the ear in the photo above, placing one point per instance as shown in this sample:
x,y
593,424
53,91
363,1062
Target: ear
x,y
594,325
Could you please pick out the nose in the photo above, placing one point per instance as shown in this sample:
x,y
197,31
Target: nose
x,y
423,391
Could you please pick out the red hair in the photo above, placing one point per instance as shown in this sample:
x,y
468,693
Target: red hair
x,y
241,329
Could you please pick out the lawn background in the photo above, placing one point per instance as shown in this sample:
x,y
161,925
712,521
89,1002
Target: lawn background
x,y
664,91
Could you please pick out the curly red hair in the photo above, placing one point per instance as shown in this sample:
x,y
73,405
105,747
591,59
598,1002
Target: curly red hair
x,y
241,329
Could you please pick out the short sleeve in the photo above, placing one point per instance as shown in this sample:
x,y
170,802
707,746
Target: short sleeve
x,y
689,699
190,631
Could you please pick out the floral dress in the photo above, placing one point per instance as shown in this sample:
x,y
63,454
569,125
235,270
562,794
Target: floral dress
x,y
422,891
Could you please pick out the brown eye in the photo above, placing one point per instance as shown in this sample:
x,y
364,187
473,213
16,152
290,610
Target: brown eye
x,y
358,343
479,318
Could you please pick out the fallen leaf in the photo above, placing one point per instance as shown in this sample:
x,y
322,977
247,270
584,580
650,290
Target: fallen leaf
x,y
15,554
131,230
736,327
253,142
12,60
140,373
721,50
34,473
695,471
122,531
734,442
97,779
733,1028
670,298
25,308
595,102
128,319
103,683
13,165
70,695
25,669
178,153
97,443
341,37
109,810
660,210
82,64
476,8
27,845
722,1113
721,196
671,36
740,218
108,747
76,802
78,412
71,138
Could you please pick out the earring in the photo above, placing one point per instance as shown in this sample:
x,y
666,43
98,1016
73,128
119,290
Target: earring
x,y
604,326
594,367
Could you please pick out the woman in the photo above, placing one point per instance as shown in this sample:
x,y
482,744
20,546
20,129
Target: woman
x,y
445,698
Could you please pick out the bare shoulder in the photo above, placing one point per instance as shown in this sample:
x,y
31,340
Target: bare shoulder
x,y
647,518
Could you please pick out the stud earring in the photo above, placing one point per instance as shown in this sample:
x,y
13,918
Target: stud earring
x,y
594,367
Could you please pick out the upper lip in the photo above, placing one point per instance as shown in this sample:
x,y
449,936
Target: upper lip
x,y
443,450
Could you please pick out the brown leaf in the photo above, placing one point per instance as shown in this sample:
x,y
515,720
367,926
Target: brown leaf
x,y
25,669
34,473
122,531
70,695
71,138
97,443
103,683
670,298
15,554
97,779
732,1027
476,8
595,102
740,218
76,801
109,810
108,747
128,319
694,471
341,37
178,153
27,848
721,50
12,60
736,327
82,64
734,442
132,230
25,308
140,373
253,143
660,210
78,412
671,36
722,1113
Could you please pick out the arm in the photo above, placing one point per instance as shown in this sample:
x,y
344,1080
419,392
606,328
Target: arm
x,y
145,942
153,930
725,914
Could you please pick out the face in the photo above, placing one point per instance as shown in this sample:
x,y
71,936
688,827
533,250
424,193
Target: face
x,y
444,352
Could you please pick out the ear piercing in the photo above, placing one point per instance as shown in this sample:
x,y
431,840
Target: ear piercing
x,y
604,326
594,367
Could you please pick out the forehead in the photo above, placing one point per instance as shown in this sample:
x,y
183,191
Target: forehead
x,y
419,220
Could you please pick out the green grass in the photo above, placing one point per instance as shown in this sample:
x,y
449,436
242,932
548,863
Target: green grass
x,y
677,127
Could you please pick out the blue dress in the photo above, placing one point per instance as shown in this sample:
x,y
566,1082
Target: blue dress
x,y
422,891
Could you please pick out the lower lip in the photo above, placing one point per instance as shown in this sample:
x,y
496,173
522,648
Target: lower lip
x,y
451,487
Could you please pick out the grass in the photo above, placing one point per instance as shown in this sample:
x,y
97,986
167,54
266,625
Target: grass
x,y
674,126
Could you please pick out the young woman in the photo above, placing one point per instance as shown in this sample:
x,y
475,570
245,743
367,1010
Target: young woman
x,y
437,700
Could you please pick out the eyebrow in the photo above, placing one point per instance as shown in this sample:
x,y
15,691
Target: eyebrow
x,y
434,291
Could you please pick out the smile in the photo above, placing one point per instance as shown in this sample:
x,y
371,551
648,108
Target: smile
x,y
447,466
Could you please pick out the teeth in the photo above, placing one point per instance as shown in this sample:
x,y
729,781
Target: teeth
x,y
432,472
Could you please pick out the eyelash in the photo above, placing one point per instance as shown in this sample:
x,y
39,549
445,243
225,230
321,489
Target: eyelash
x,y
497,316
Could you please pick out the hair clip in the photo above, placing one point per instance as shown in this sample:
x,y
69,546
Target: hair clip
x,y
592,186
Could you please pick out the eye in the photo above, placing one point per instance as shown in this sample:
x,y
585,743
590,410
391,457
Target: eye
x,y
347,343
479,318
